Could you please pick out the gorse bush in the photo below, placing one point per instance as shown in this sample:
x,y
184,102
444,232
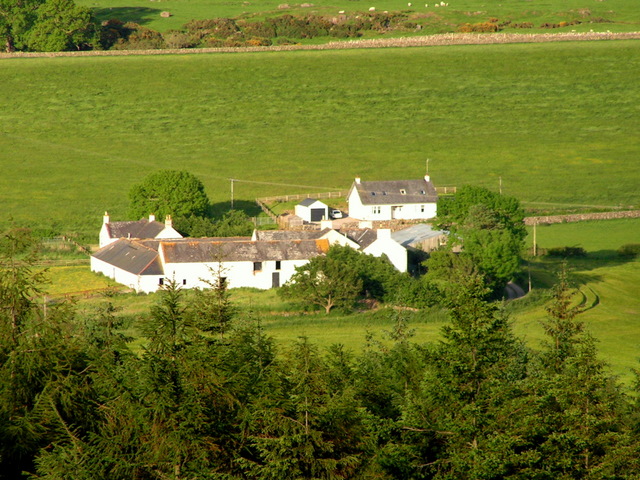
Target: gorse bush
x,y
631,250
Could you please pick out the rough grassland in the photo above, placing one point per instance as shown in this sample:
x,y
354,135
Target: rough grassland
x,y
624,13
558,123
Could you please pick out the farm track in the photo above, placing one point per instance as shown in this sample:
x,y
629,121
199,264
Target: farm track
x,y
421,41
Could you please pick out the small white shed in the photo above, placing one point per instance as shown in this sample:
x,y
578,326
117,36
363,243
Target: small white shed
x,y
312,210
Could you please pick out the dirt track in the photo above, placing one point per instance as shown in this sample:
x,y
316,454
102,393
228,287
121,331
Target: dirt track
x,y
421,41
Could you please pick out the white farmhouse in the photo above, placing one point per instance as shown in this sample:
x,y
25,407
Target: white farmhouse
x,y
145,228
312,210
391,200
145,265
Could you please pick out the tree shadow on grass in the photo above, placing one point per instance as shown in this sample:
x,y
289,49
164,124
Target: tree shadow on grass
x,y
581,269
250,208
139,15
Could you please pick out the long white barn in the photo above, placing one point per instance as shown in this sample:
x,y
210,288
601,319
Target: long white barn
x,y
266,260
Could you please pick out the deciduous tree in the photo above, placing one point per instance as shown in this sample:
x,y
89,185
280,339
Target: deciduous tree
x,y
168,192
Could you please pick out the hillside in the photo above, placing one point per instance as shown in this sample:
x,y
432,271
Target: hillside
x,y
555,122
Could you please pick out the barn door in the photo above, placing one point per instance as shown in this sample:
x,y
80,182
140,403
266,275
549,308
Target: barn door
x,y
275,279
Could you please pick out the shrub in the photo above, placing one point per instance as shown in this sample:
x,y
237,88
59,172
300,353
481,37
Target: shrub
x,y
630,250
140,38
259,29
485,27
344,31
175,39
566,252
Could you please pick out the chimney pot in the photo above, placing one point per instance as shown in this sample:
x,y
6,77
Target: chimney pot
x,y
106,219
427,178
168,222
152,218
358,180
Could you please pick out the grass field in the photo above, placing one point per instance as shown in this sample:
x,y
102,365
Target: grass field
x,y
607,290
622,15
557,122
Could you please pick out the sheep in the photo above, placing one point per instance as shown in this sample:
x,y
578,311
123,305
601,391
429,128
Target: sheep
x,y
372,9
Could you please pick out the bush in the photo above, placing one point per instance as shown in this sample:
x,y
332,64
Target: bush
x,y
566,252
485,27
344,31
630,250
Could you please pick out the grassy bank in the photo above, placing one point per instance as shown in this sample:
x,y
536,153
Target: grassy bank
x,y
619,15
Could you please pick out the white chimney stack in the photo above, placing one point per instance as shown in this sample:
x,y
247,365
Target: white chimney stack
x,y
168,222
106,219
358,180
152,218
427,178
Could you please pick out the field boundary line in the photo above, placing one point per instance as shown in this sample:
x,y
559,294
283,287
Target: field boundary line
x,y
444,39
580,217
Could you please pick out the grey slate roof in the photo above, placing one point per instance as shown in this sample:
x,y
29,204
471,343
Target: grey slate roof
x,y
134,257
241,251
416,234
390,192
307,202
271,235
139,229
363,237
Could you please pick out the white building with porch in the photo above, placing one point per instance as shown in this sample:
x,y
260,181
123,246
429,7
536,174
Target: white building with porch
x,y
393,200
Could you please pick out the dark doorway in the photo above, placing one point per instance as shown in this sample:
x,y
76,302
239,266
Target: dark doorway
x,y
275,279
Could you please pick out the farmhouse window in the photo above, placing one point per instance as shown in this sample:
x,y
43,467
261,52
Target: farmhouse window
x,y
257,266
161,281
278,265
376,210
422,208
184,281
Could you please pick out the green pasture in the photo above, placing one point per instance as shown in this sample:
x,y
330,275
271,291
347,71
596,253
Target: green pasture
x,y
601,238
607,289
557,123
614,15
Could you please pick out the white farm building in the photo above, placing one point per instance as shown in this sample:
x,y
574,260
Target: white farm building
x,y
393,200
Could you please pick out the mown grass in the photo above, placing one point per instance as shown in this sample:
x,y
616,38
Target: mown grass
x,y
557,122
622,15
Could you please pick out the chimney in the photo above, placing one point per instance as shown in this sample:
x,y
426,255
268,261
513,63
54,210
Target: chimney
x,y
358,180
168,223
152,218
106,219
427,178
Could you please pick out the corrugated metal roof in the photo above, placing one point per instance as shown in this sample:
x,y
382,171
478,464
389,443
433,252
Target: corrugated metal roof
x,y
416,234
396,192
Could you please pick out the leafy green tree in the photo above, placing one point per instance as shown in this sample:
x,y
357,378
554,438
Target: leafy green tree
x,y
234,223
61,25
16,19
168,192
323,281
491,230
